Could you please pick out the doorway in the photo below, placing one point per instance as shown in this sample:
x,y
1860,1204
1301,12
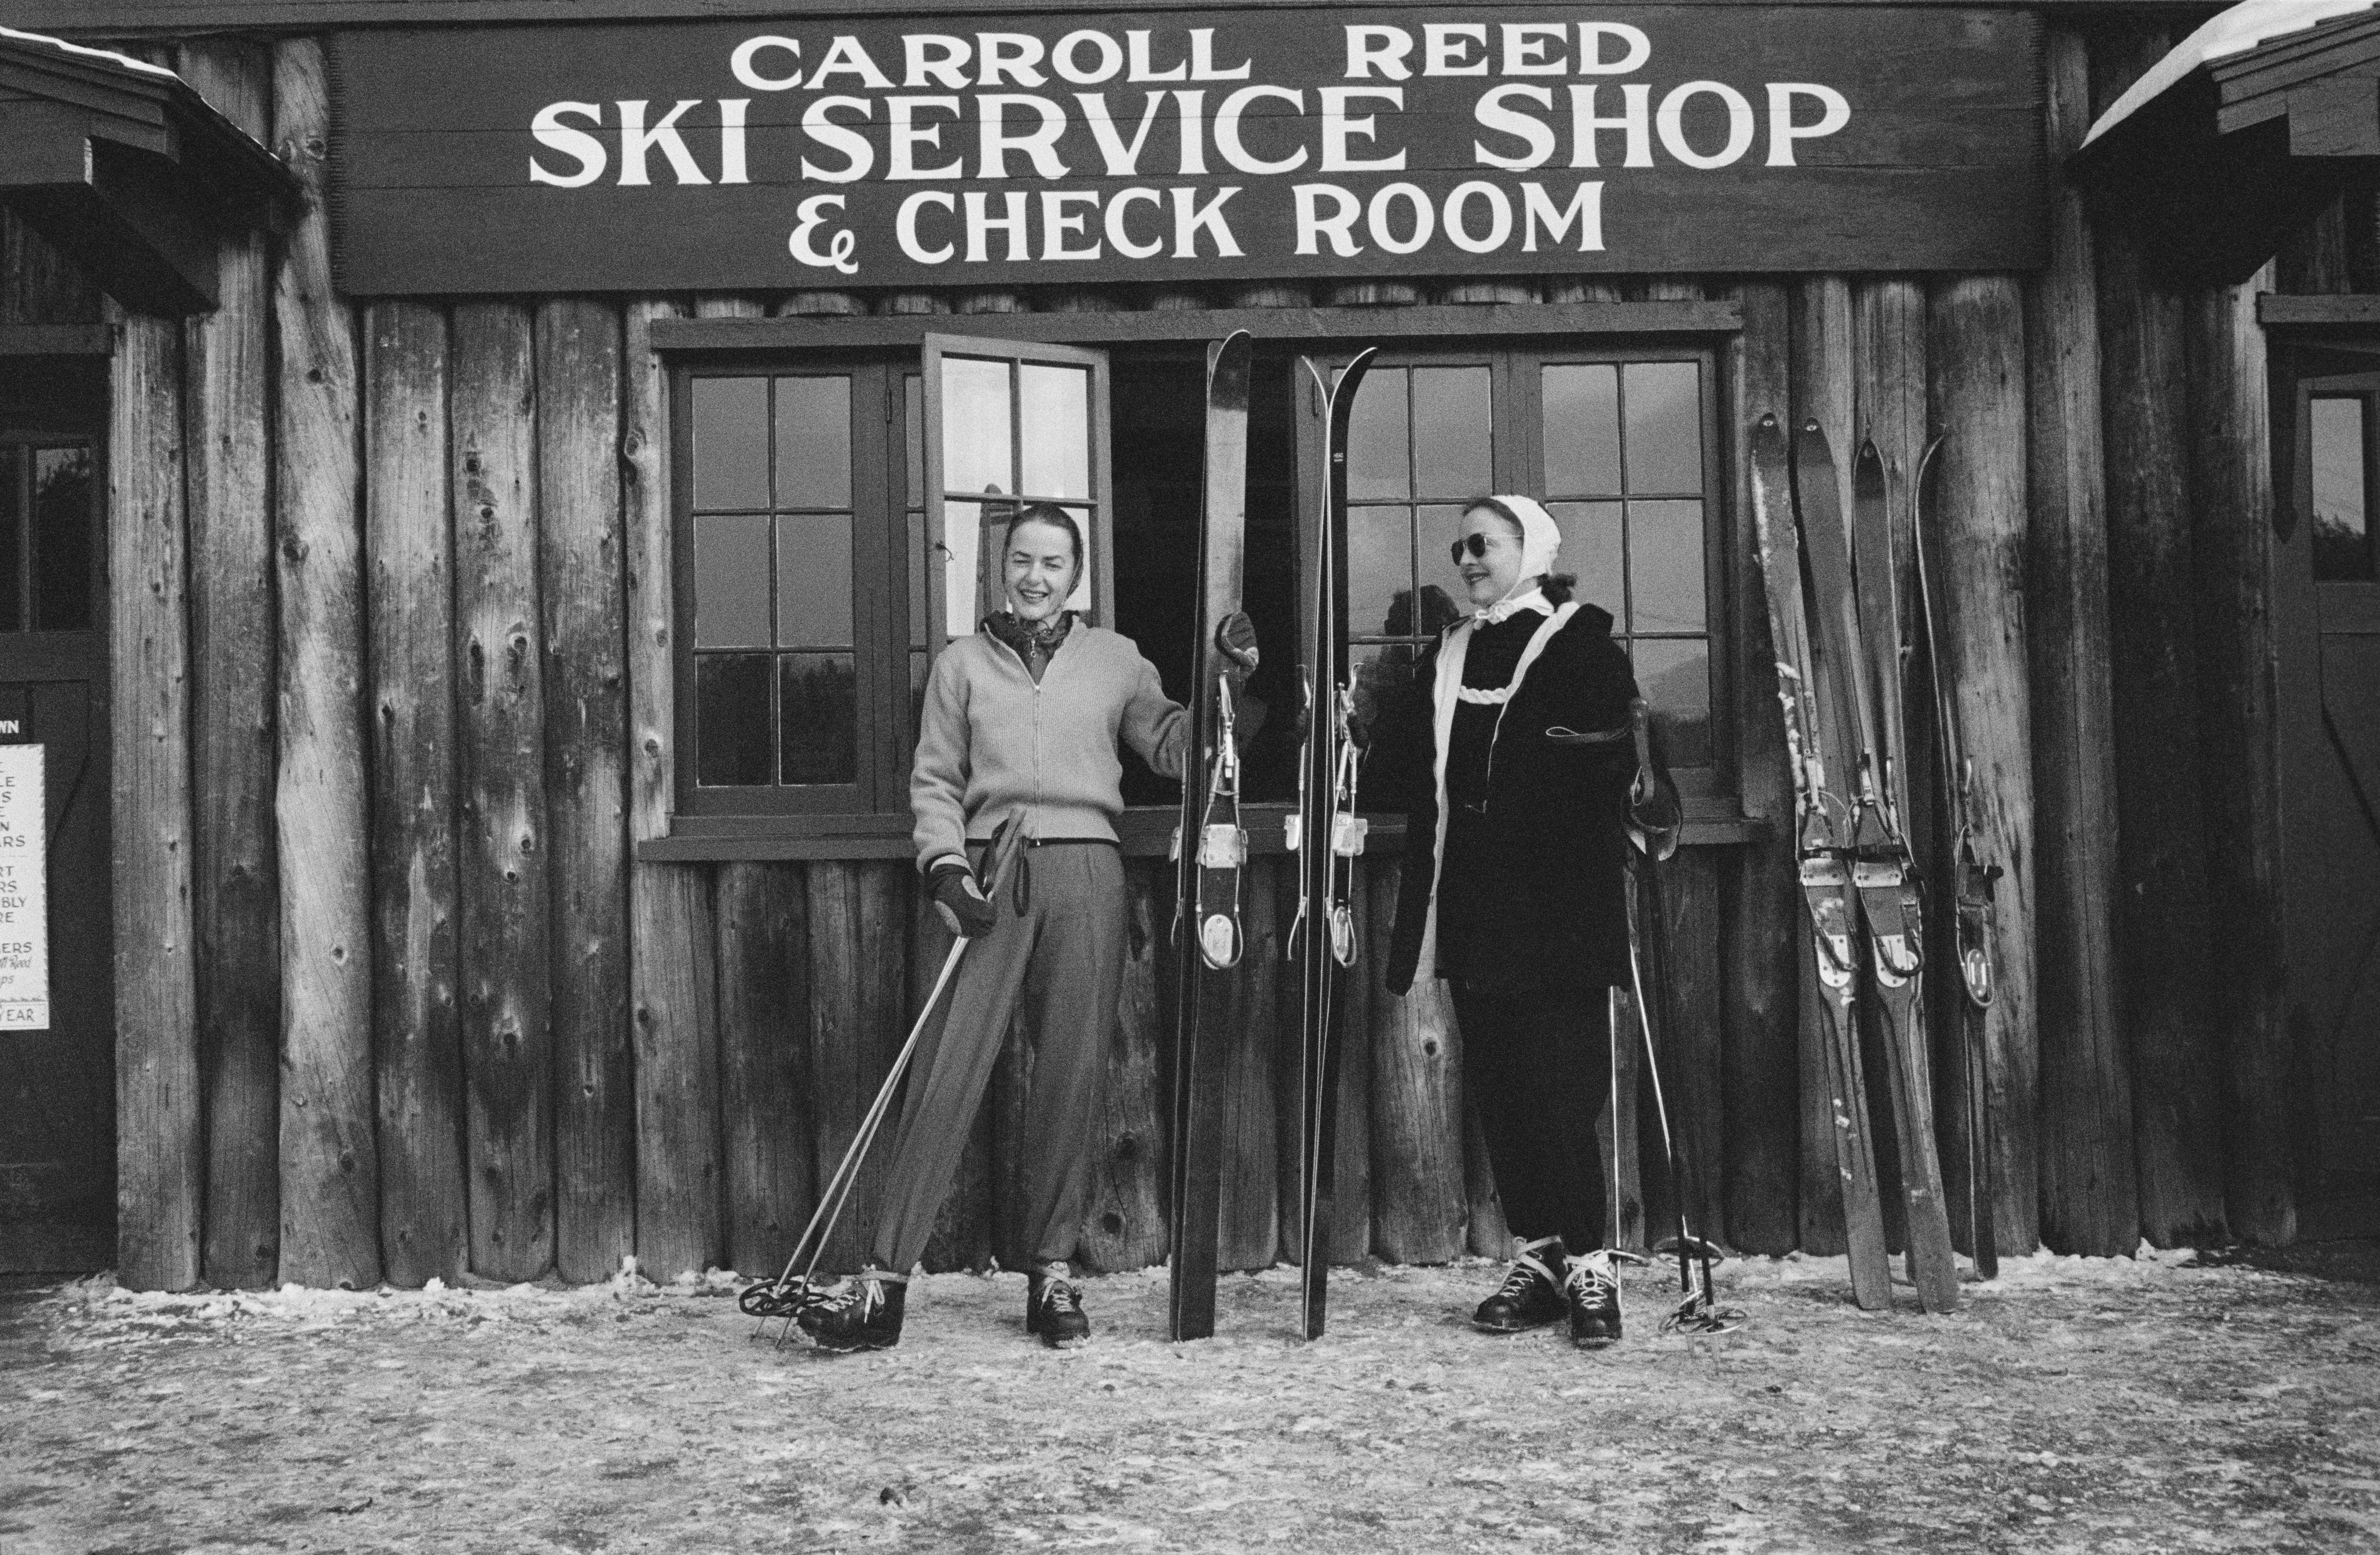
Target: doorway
x,y
57,1020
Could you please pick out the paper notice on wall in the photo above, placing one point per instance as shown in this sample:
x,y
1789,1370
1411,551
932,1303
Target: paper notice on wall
x,y
24,892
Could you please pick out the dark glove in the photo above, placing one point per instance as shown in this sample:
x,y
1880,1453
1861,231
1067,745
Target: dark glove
x,y
963,905
1236,636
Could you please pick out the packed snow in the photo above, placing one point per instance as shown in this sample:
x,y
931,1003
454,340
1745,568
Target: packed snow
x,y
2161,1402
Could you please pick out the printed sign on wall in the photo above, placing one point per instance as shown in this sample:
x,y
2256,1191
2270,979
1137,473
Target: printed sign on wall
x,y
24,892
1005,150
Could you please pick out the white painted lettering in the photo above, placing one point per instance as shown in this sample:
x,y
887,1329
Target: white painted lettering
x,y
1336,126
744,63
1500,217
935,59
1005,57
1122,159
1056,223
994,142
1137,47
859,156
980,227
1526,44
636,142
1425,219
1586,208
904,225
552,134
1636,120
1670,122
1111,53
1636,48
1227,130
1118,237
1338,227
1539,135
1834,111
1447,45
1190,218
906,135
847,56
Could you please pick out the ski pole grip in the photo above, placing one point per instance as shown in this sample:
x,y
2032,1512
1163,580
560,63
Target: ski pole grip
x,y
1005,840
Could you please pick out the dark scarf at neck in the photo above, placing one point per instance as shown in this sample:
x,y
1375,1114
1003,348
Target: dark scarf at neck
x,y
1030,642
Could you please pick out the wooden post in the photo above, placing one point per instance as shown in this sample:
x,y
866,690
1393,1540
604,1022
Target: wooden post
x,y
1485,1234
764,1062
1124,1220
330,1191
158,1148
1619,1139
1822,391
238,906
1760,929
2239,711
581,584
671,957
409,551
2074,749
1976,349
500,738
2136,1149
1250,1218
1693,1062
858,934
1419,1202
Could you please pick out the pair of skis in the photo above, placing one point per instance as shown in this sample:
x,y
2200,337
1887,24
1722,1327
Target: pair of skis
x,y
1211,853
1839,676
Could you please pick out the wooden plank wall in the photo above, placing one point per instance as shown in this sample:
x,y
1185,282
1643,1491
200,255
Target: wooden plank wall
x,y
469,1036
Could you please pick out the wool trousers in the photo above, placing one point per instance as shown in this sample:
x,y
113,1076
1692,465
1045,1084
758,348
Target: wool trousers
x,y
1056,957
1537,1063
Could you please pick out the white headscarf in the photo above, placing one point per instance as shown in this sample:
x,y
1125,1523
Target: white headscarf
x,y
1541,543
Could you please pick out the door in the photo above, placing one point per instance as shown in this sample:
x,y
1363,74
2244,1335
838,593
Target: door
x,y
57,1051
2326,618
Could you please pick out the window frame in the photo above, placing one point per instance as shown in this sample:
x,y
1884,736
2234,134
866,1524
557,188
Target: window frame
x,y
774,347
1516,417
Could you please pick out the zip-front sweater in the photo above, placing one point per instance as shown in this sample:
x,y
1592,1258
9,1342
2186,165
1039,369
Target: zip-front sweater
x,y
992,739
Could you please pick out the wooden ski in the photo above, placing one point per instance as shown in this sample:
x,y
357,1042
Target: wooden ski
x,y
1328,836
1817,702
1211,852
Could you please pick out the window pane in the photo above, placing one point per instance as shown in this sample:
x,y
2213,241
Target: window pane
x,y
976,426
731,719
1665,553
1056,408
731,443
1581,426
2342,536
969,580
1590,551
1376,438
913,390
1674,674
1451,439
12,536
1380,673
1380,570
731,580
819,716
814,580
1443,598
1665,427
1081,598
813,442
62,539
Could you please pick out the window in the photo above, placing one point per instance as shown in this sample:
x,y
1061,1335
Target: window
x,y
1621,452
802,490
2338,430
47,563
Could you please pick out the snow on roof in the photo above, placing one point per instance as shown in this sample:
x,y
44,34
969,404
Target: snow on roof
x,y
122,61
2234,32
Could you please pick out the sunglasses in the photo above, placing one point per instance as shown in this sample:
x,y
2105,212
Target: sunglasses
x,y
1475,543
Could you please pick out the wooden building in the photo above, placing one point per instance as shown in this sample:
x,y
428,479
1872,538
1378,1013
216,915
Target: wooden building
x,y
466,573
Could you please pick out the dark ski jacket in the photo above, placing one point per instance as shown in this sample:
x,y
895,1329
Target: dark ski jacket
x,y
1553,835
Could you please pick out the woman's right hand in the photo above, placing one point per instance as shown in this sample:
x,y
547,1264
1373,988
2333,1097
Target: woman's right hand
x,y
962,904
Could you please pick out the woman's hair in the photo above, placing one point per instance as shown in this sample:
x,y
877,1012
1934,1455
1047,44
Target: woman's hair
x,y
1557,585
1045,512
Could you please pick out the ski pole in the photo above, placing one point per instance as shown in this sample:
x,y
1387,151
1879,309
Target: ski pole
x,y
787,1295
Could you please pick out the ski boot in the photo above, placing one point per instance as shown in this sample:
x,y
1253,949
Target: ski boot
x,y
864,1315
1591,1284
1053,1307
1531,1295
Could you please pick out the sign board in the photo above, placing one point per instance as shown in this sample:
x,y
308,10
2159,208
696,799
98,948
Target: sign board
x,y
24,892
1184,146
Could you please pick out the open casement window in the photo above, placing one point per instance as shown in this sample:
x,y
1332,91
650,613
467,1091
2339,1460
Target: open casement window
x,y
1620,446
1009,424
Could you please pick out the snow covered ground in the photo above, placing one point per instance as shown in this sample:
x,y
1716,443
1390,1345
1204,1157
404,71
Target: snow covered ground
x,y
2107,1406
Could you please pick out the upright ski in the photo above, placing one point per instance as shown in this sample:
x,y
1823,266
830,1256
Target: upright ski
x,y
1970,879
1210,852
1817,700
1886,877
1326,837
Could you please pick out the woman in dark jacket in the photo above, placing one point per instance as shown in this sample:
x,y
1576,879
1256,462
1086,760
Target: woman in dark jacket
x,y
1514,762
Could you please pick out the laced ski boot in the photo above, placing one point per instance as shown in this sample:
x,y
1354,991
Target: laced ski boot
x,y
1053,1307
1591,1284
1531,1295
864,1315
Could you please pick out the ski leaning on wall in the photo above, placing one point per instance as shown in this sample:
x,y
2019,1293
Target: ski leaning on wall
x,y
1210,852
1838,674
1327,836
1972,878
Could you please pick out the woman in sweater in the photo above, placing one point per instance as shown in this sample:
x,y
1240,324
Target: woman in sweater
x,y
1514,761
1024,715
